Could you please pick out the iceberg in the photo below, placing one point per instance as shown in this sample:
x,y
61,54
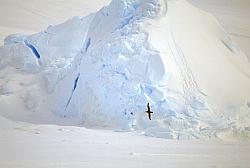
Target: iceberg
x,y
101,70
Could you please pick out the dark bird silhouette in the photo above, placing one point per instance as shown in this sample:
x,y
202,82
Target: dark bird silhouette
x,y
149,112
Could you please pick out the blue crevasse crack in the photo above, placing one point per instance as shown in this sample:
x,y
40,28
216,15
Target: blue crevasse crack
x,y
33,49
74,88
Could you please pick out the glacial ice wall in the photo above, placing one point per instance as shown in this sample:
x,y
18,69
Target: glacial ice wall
x,y
103,69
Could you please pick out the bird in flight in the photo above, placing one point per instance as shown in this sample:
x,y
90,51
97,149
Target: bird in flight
x,y
149,111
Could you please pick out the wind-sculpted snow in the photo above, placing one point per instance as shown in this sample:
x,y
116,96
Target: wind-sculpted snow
x,y
103,69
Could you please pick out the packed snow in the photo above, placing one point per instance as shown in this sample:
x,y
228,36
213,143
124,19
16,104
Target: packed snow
x,y
102,69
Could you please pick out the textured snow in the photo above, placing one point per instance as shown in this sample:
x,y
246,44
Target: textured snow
x,y
101,70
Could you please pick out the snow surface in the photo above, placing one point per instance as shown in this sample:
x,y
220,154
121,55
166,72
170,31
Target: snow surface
x,y
48,146
102,69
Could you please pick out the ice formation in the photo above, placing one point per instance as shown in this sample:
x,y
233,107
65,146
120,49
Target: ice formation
x,y
102,69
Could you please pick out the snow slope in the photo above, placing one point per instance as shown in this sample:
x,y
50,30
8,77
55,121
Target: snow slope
x,y
101,70
233,15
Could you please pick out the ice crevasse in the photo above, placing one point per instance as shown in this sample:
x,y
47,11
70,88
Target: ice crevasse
x,y
102,69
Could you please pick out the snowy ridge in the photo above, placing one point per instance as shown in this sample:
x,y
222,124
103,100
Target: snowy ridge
x,y
102,69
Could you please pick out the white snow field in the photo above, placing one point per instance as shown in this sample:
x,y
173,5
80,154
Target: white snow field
x,y
48,146
100,70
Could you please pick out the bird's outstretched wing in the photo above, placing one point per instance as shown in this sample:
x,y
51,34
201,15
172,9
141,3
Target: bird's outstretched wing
x,y
148,107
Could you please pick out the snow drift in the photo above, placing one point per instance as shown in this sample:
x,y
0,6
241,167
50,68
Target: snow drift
x,y
102,69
